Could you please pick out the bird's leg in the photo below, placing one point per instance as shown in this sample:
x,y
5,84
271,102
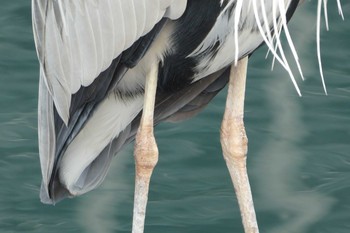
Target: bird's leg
x,y
234,144
146,152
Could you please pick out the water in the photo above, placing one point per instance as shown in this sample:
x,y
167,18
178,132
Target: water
x,y
298,159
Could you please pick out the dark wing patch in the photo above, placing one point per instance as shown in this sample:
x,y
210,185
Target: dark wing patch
x,y
202,100
169,104
177,70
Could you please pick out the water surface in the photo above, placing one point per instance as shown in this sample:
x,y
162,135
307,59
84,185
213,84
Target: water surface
x,y
298,160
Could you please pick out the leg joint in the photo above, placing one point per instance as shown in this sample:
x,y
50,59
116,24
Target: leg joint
x,y
234,140
146,150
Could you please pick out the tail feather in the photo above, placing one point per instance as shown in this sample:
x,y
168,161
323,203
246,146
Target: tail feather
x,y
84,163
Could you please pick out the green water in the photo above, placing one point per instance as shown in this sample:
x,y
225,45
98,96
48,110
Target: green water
x,y
298,159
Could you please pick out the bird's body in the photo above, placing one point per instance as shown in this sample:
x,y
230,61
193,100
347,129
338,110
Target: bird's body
x,y
95,56
198,44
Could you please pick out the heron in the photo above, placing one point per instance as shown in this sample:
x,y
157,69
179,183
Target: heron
x,y
112,70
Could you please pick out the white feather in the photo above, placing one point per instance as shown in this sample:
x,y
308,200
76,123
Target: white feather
x,y
340,10
318,41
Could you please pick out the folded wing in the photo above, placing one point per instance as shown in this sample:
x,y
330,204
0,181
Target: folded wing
x,y
79,45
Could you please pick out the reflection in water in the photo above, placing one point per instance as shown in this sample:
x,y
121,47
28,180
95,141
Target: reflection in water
x,y
95,213
282,188
300,183
298,209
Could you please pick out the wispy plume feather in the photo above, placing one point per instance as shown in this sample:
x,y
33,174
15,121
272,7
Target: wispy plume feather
x,y
318,42
273,41
318,32
340,9
279,21
244,24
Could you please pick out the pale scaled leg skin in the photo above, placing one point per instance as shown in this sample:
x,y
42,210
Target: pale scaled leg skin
x,y
234,144
146,153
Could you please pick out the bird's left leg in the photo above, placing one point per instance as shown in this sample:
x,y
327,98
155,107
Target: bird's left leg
x,y
146,152
234,144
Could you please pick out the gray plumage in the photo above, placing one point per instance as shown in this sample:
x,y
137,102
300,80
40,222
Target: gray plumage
x,y
94,56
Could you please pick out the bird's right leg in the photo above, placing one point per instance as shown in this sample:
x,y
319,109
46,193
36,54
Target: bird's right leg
x,y
146,152
235,144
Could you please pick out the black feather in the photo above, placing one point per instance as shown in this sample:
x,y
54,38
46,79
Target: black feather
x,y
177,70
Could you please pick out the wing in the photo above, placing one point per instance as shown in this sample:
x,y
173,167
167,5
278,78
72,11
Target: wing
x,y
77,40
81,45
